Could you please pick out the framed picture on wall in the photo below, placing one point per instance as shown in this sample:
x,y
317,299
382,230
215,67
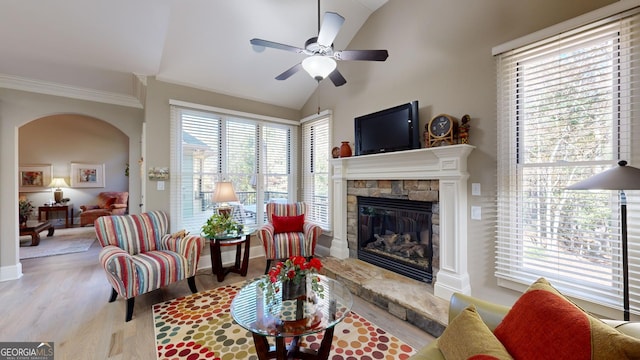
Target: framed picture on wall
x,y
34,178
87,175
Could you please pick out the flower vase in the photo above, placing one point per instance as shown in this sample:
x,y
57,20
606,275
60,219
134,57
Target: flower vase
x,y
23,220
292,291
345,149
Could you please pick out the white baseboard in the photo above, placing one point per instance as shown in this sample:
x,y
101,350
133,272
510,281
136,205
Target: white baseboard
x,y
13,272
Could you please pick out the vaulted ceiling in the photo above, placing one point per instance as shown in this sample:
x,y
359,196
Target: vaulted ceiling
x,y
96,44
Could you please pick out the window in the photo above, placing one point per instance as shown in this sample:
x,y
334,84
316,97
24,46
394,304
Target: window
x,y
315,174
255,155
565,106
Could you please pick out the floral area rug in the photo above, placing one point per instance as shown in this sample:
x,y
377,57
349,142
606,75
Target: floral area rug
x,y
63,241
200,326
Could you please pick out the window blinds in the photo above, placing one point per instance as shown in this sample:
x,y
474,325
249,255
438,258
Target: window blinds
x,y
315,173
207,147
568,109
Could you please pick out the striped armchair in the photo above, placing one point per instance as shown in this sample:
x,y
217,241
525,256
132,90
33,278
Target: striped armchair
x,y
282,245
138,256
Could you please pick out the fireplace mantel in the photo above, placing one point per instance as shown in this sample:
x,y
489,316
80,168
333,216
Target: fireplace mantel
x,y
448,164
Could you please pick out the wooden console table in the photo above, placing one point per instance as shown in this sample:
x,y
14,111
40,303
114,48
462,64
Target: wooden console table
x,y
67,208
34,229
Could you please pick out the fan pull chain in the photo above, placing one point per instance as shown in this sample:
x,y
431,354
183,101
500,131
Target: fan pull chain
x,y
318,97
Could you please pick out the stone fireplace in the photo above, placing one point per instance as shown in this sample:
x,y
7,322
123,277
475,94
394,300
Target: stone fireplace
x,y
436,175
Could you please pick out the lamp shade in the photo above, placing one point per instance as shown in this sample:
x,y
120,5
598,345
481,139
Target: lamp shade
x,y
224,192
621,177
318,66
58,183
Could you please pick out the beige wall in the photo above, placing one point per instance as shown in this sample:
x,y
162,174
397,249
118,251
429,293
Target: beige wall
x,y
440,55
18,108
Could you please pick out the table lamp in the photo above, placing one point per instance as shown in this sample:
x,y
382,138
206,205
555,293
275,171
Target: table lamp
x,y
620,178
58,183
223,195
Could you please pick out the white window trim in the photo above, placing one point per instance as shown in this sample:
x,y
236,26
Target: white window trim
x,y
324,114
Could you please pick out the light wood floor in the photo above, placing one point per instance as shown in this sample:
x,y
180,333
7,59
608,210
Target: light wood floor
x,y
64,299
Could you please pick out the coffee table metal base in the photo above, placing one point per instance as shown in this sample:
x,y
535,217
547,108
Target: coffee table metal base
x,y
283,352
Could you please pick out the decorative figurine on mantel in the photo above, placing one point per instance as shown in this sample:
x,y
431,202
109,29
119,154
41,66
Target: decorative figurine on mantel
x,y
463,134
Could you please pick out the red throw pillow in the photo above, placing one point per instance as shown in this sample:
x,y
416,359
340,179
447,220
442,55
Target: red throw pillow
x,y
284,224
110,201
543,324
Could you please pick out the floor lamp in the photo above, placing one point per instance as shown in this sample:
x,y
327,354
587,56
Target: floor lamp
x,y
620,178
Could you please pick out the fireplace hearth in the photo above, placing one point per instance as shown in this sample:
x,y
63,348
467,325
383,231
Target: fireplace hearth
x,y
396,234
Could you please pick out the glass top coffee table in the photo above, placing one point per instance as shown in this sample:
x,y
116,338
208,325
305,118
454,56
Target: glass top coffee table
x,y
294,318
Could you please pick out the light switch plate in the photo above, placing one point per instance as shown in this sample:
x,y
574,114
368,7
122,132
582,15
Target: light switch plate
x,y
476,213
160,185
475,189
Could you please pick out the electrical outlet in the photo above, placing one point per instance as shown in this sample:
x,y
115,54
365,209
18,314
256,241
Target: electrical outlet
x,y
160,185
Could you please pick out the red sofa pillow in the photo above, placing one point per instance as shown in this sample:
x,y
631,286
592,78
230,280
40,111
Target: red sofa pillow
x,y
285,224
543,324
107,204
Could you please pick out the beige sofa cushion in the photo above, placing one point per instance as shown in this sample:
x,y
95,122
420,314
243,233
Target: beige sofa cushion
x,y
468,337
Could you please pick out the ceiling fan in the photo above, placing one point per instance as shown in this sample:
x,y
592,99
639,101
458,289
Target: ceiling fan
x,y
321,60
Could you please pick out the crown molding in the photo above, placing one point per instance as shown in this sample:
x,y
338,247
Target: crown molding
x,y
49,88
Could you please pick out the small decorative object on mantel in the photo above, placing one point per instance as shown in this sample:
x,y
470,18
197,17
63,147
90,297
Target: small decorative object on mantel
x,y
463,134
345,149
335,152
441,130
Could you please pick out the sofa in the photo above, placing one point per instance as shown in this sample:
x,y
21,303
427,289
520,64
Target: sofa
x,y
542,324
108,203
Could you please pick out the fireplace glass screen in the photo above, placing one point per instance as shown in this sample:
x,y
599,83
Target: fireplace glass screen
x,y
396,234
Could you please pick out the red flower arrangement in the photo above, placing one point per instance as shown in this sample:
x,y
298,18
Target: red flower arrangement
x,y
295,269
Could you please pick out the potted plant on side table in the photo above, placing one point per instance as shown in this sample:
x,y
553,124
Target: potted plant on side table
x,y
219,225
24,210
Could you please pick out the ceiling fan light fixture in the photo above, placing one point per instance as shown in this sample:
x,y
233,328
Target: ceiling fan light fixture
x,y
318,66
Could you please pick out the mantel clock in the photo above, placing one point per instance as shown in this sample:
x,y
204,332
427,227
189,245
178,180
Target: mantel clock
x,y
441,130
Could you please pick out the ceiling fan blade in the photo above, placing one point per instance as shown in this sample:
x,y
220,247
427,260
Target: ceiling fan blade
x,y
336,78
331,24
292,70
370,55
275,45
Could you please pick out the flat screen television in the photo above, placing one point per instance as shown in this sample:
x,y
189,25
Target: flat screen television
x,y
388,130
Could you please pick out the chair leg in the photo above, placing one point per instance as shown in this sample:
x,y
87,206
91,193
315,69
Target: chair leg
x,y
114,295
192,284
130,303
266,270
